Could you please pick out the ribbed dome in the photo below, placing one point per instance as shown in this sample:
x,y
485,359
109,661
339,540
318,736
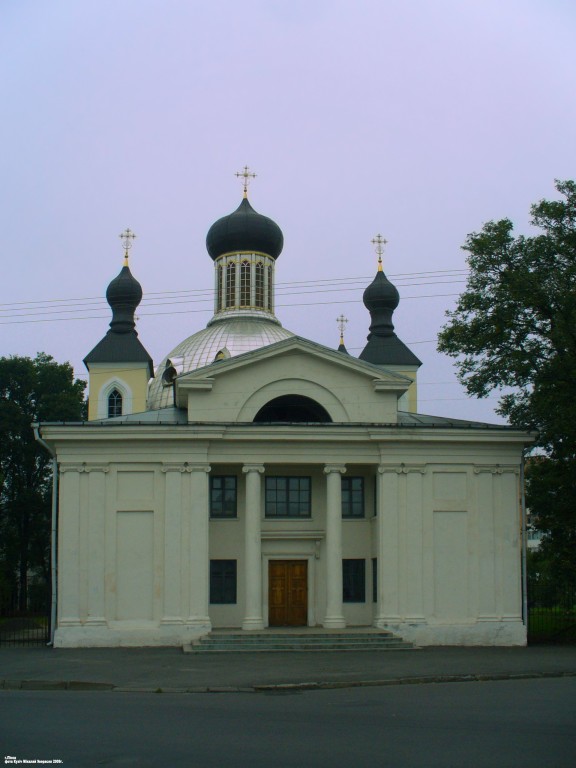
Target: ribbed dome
x,y
232,336
244,230
123,295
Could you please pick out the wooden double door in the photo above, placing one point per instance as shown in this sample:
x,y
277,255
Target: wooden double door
x,y
288,593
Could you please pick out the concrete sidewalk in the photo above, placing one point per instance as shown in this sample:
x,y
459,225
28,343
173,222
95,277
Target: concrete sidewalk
x,y
169,669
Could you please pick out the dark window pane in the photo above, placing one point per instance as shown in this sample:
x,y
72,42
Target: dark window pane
x,y
223,581
223,496
352,497
288,497
354,581
114,404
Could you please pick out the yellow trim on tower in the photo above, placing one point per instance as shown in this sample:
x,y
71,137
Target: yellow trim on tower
x,y
243,253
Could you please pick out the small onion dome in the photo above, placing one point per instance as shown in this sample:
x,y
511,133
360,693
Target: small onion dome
x,y
384,348
244,230
381,294
123,295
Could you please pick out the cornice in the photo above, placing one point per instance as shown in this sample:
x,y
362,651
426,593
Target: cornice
x,y
385,435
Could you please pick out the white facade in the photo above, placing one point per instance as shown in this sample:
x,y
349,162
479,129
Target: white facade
x,y
439,535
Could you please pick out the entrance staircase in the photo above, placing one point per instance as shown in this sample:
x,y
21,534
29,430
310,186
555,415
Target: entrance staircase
x,y
298,640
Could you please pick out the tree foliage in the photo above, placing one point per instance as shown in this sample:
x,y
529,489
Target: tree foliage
x,y
38,389
514,330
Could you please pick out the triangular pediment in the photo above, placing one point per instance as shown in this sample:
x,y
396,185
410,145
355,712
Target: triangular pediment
x,y
350,389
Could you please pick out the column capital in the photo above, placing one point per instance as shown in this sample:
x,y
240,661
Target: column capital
x,y
105,468
173,466
253,468
496,469
84,467
330,468
197,467
178,466
402,469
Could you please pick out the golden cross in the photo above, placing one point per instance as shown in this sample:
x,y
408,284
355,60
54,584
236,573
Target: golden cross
x,y
379,242
246,175
127,236
341,325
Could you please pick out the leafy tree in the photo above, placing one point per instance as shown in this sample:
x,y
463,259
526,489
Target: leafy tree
x,y
38,389
514,330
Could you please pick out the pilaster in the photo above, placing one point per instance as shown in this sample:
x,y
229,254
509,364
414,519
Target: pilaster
x,y
172,608
199,555
96,608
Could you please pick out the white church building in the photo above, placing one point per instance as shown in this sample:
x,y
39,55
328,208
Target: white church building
x,y
258,479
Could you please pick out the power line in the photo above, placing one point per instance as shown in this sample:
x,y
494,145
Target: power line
x,y
71,308
192,311
204,294
78,309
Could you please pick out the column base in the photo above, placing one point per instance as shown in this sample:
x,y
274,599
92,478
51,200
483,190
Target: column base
x,y
334,622
253,623
202,622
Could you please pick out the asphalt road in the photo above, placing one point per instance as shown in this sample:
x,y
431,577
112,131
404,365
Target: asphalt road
x,y
522,723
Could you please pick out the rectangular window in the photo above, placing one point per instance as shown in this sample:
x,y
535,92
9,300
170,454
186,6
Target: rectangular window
x,y
223,496
288,497
374,580
259,284
270,289
220,274
245,284
354,581
231,284
352,497
223,582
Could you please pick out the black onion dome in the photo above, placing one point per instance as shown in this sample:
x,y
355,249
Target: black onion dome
x,y
121,344
123,295
384,348
244,230
381,294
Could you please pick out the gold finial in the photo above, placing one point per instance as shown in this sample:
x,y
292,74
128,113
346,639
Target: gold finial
x,y
127,236
341,325
379,242
246,175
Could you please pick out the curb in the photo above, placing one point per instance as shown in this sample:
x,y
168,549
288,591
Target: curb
x,y
75,685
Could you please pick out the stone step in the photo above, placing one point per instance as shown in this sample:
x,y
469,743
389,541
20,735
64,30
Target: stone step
x,y
299,640
231,642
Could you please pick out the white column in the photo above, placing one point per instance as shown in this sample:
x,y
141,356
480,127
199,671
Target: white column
x,y
253,553
334,615
199,557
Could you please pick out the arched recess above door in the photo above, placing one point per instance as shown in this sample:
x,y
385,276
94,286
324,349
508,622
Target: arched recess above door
x,y
293,409
317,394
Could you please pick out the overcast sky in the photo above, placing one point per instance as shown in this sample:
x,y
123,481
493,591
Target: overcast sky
x,y
417,119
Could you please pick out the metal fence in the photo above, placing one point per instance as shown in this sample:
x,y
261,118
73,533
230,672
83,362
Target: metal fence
x,y
551,613
24,628
21,630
